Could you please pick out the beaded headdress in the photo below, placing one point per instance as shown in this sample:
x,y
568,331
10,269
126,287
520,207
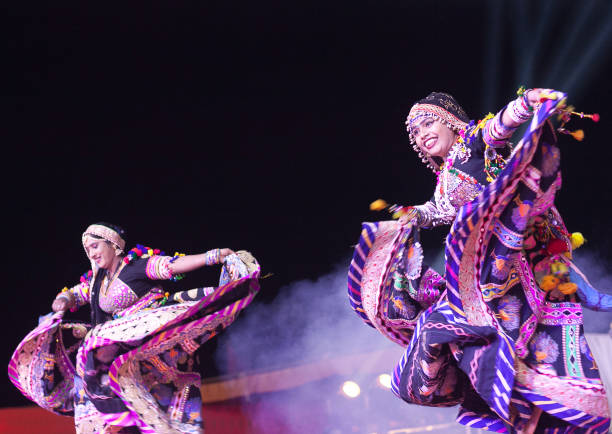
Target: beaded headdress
x,y
442,107
105,233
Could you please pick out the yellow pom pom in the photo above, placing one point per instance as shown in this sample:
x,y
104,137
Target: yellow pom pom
x,y
559,268
577,240
378,205
549,282
568,288
65,289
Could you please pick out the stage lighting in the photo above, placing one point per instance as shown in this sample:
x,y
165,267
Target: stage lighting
x,y
384,381
350,389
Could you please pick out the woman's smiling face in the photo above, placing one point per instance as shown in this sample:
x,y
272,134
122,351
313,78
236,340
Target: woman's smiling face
x,y
433,137
100,251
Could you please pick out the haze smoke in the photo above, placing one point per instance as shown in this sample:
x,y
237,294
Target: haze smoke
x,y
311,321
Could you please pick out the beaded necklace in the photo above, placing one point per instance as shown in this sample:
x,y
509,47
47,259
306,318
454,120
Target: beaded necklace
x,y
459,151
108,281
493,162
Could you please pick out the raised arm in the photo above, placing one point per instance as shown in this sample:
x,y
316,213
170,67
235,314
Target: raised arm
x,y
184,264
501,127
427,215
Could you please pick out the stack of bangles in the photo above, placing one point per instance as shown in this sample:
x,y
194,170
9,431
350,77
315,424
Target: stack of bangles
x,y
399,211
65,295
500,132
212,257
519,110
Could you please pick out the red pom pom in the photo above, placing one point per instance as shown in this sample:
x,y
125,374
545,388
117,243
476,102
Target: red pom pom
x,y
595,117
156,251
556,246
139,252
126,260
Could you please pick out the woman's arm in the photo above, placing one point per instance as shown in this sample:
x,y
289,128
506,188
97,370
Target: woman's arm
x,y
184,264
74,297
520,110
427,215
501,127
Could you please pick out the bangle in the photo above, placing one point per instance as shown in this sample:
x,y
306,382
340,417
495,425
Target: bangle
x,y
70,304
212,257
496,132
519,110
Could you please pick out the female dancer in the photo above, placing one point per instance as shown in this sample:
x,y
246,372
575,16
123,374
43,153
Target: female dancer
x,y
134,368
501,333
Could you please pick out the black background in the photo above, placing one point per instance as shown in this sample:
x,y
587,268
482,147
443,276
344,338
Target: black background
x,y
266,126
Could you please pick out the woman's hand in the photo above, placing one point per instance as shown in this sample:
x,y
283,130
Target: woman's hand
x,y
534,96
59,304
223,253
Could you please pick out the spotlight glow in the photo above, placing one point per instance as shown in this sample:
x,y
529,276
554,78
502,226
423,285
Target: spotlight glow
x,y
384,380
351,389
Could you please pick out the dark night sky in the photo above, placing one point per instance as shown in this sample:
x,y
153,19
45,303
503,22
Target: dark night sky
x,y
267,126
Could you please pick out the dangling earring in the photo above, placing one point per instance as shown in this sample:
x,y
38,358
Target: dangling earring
x,y
118,251
420,153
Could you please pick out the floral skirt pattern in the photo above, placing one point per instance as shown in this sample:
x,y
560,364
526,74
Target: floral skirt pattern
x,y
136,373
496,340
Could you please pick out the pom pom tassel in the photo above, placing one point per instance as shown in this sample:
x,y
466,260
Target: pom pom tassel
x,y
578,135
565,116
378,205
577,240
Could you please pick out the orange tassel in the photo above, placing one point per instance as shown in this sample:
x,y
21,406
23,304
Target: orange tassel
x,y
578,135
378,205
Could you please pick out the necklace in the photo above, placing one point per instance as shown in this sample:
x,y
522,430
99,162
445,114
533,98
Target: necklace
x,y
107,282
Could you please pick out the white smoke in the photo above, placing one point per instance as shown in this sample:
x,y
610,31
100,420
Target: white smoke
x,y
597,270
307,321
312,321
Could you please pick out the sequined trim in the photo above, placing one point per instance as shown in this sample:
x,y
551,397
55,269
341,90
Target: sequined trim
x,y
419,110
105,233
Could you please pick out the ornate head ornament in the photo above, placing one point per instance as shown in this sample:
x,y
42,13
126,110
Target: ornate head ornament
x,y
107,234
442,107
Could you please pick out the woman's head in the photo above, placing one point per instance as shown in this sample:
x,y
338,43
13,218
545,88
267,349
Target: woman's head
x,y
432,137
103,244
433,124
